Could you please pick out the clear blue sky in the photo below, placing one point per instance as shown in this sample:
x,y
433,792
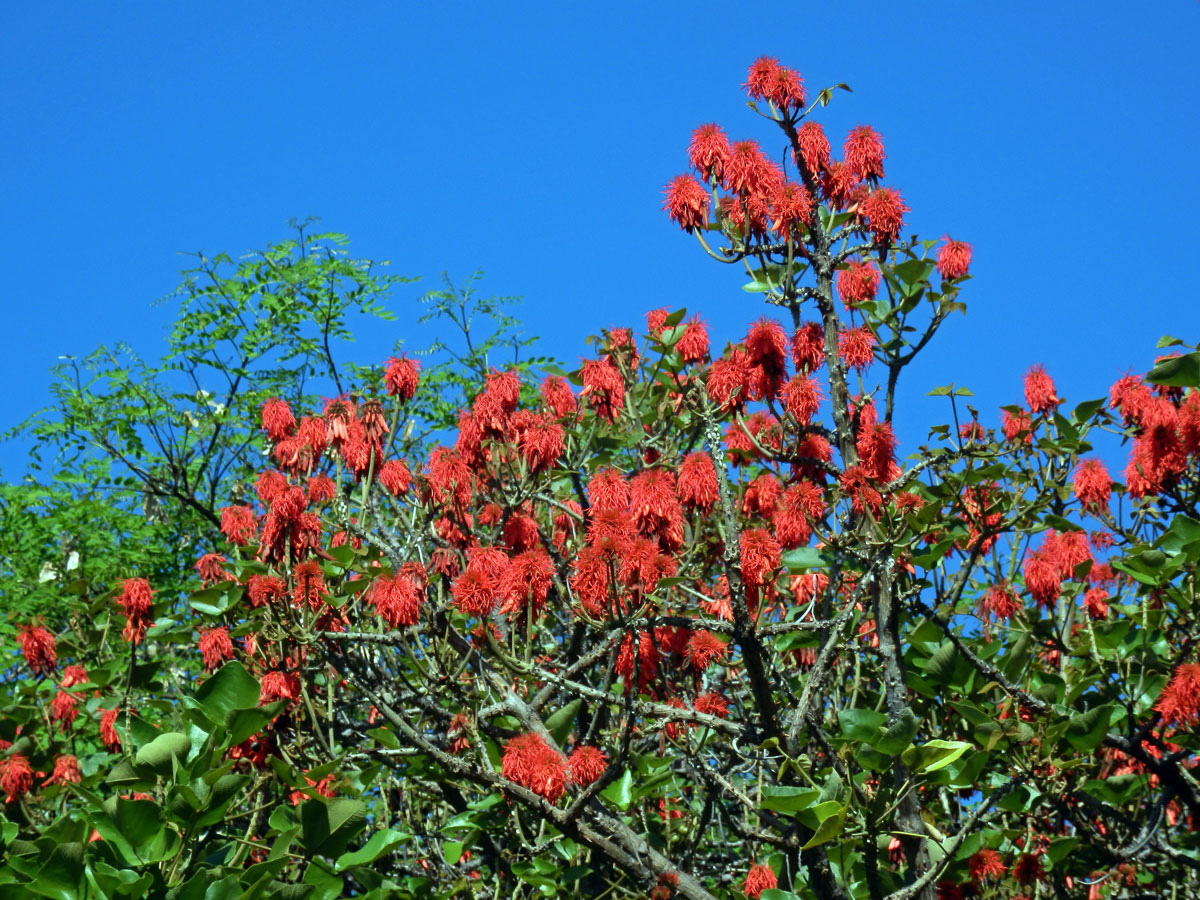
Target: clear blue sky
x,y
533,141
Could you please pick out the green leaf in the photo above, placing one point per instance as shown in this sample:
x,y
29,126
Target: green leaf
x,y
327,826
756,287
933,755
804,558
230,688
620,792
784,798
899,735
861,724
1167,341
941,665
1087,731
380,844
1177,371
831,827
163,752
561,722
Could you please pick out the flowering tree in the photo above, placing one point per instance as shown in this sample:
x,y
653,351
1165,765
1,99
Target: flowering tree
x,y
676,623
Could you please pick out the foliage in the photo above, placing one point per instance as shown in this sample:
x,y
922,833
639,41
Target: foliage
x,y
675,624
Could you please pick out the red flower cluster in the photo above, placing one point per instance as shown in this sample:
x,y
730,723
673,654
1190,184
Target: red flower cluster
x,y
136,601
532,763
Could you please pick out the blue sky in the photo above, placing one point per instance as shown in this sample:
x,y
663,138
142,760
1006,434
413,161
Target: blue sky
x,y
532,141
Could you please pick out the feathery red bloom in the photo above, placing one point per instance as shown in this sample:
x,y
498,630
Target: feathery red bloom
x,y
808,347
885,211
541,442
278,686
711,704
265,589
73,675
557,395
766,350
396,477
840,185
39,647
863,152
985,865
136,601
526,583
277,419
16,780
450,478
655,506
728,382
698,481
708,151
703,648
63,709
748,170
760,878
802,398
402,377
474,593
791,205
1132,398
1028,868
760,556
814,147
1000,601
211,568
532,763
607,489
1039,391
1179,701
603,387
1043,578
858,282
1095,601
1093,486
397,600
238,524
953,259
586,765
777,84
856,346
686,203
66,769
308,585
1016,424
215,647
693,343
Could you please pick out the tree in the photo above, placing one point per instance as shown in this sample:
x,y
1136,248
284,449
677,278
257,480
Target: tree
x,y
672,624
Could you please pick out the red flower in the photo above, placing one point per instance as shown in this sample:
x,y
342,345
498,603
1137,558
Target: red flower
x,y
856,346
586,765
686,203
1042,578
608,489
712,704
748,170
858,282
450,478
1179,701
1132,398
397,600
39,647
1093,487
211,568
73,675
474,593
808,347
760,878
698,481
985,865
999,601
839,184
215,647
814,147
278,686
780,85
693,343
760,556
708,152
238,524
64,709
863,152
791,205
603,387
703,648
532,763
308,585
1095,601
728,382
1039,391
1028,868
557,395
108,731
277,419
953,260
541,442
17,778
1016,424
136,601
885,211
66,769
396,477
526,583
655,506
402,377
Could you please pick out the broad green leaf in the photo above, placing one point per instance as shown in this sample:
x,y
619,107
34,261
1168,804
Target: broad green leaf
x,y
620,792
933,755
